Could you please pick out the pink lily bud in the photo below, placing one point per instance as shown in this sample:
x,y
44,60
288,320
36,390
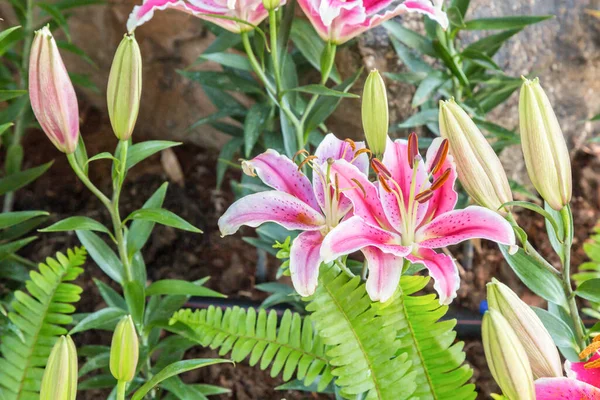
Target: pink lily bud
x,y
52,94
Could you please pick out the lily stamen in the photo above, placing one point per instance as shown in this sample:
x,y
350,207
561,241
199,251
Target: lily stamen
x,y
380,169
439,182
413,149
384,184
424,196
362,151
440,157
351,143
305,161
360,186
302,151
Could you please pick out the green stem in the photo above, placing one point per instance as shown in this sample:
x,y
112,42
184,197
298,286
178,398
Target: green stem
x,y
86,181
115,214
256,65
21,122
121,387
274,50
566,275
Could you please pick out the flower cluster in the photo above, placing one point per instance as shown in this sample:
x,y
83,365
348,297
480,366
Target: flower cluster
x,y
336,21
405,215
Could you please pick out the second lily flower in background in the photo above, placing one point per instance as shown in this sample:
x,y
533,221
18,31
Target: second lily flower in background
x,y
296,204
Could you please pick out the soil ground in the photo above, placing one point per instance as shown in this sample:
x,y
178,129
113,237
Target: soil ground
x,y
231,262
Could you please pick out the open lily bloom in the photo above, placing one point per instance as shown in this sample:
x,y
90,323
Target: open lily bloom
x,y
408,215
296,204
582,381
341,20
251,11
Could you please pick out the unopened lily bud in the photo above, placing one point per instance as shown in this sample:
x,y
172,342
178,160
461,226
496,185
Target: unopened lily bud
x,y
59,381
506,357
124,351
125,87
271,4
52,94
544,147
479,168
375,114
537,342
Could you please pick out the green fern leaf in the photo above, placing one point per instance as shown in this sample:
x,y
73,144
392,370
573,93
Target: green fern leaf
x,y
40,317
289,345
436,359
363,349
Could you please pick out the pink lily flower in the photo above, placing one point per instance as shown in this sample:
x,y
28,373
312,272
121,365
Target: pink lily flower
x,y
341,20
251,11
408,215
582,381
298,204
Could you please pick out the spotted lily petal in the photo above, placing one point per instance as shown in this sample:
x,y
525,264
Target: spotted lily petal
x,y
565,389
280,173
305,260
384,273
442,269
578,371
470,223
271,206
355,234
444,198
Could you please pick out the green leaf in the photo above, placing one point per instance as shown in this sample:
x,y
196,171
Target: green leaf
x,y
308,42
179,287
254,124
223,81
57,16
410,38
4,127
461,5
556,235
414,63
561,333
535,208
231,60
427,88
490,45
419,119
140,230
176,368
135,297
13,218
18,180
5,33
110,296
164,217
412,78
103,255
538,279
6,95
481,59
451,63
325,106
140,151
323,90
102,318
8,249
77,224
84,81
595,118
70,47
589,290
102,156
225,156
516,22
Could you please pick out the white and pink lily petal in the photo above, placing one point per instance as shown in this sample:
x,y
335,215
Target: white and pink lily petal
x,y
341,20
252,12
409,216
565,389
578,370
296,203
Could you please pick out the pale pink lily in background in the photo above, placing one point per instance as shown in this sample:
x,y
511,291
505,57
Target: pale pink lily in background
x,y
296,204
251,11
581,383
408,215
341,20
51,92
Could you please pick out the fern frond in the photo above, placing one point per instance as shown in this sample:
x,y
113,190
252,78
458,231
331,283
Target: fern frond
x,y
289,345
436,359
364,350
40,317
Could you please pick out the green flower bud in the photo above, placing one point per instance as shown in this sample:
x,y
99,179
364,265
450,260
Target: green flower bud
x,y
479,169
125,87
375,114
544,147
124,351
60,376
271,4
538,344
506,357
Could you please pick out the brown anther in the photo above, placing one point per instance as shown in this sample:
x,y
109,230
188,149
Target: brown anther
x,y
306,160
360,186
303,151
588,351
440,157
441,180
380,169
424,196
351,143
337,187
384,184
592,364
365,150
413,149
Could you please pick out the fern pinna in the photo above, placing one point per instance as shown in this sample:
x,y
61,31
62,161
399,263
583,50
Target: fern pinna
x,y
429,343
289,344
39,317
